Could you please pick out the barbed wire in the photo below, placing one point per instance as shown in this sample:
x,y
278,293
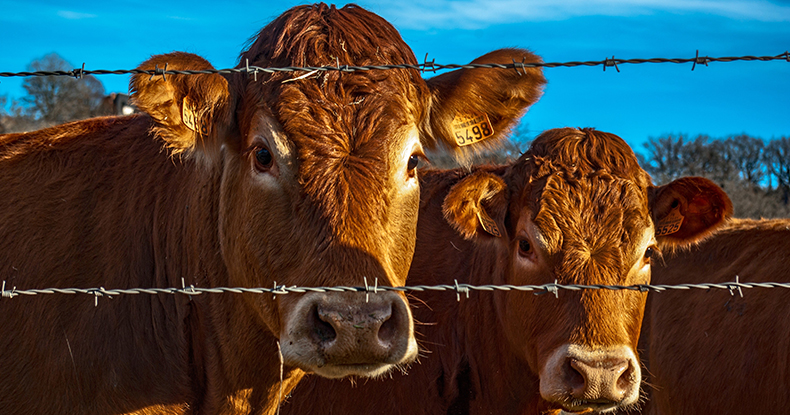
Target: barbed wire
x,y
459,289
426,66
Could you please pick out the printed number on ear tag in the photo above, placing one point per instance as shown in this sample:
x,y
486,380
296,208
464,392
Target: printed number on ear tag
x,y
487,223
190,119
670,223
471,128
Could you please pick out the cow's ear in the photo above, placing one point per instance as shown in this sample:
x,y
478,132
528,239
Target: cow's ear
x,y
687,210
191,112
477,204
474,109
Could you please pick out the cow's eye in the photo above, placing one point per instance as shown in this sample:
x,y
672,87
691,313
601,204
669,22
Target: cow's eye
x,y
412,164
524,247
414,161
263,159
650,254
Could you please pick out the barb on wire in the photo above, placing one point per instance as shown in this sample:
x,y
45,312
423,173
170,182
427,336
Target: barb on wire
x,y
426,66
552,288
159,71
367,288
736,286
8,294
703,60
610,62
77,73
461,288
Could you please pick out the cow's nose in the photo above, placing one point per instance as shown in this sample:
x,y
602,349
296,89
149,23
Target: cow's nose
x,y
373,323
375,329
600,380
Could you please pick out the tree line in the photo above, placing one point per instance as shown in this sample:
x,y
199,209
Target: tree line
x,y
53,100
754,172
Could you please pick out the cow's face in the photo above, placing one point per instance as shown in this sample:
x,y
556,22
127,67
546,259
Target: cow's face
x,y
329,216
582,212
317,170
589,231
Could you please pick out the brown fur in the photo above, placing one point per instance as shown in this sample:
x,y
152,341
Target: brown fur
x,y
483,355
145,201
710,352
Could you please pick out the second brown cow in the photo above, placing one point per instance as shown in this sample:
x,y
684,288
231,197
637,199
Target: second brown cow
x,y
574,209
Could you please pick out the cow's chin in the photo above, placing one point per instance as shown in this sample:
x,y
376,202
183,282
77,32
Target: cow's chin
x,y
360,370
317,364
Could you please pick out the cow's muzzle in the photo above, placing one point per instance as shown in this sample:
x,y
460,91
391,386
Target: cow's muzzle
x,y
581,379
344,334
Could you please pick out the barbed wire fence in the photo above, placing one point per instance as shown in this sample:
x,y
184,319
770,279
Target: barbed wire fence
x,y
459,289
426,66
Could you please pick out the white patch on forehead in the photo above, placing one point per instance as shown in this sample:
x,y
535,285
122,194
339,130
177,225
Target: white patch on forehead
x,y
535,231
270,129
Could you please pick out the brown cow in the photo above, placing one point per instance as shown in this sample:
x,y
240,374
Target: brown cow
x,y
576,209
225,180
710,352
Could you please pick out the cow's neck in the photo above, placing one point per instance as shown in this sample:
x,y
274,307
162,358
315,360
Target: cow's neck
x,y
242,379
514,386
236,361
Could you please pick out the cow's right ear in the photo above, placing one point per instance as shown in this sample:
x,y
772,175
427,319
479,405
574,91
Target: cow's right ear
x,y
191,112
477,203
473,110
687,210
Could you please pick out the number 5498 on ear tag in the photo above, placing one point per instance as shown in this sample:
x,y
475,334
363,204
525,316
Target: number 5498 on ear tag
x,y
471,128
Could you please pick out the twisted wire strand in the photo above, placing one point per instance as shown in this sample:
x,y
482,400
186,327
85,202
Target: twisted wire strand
x,y
423,67
458,288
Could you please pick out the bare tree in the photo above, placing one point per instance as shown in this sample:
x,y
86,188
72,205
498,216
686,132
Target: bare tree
x,y
747,156
58,99
777,161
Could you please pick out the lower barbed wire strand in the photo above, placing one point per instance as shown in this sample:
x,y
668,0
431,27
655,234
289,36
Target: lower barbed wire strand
x,y
458,288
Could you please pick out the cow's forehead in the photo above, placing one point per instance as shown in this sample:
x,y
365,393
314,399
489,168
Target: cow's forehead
x,y
593,220
586,194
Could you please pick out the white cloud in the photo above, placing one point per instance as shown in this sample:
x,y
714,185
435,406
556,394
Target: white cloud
x,y
476,14
75,15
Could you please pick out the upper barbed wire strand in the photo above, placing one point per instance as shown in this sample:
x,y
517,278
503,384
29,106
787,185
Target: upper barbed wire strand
x,y
423,67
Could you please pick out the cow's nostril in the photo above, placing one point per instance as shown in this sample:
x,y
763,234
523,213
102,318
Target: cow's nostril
x,y
322,331
390,326
575,377
626,379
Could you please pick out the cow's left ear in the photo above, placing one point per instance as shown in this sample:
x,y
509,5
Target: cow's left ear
x,y
191,112
477,204
472,110
687,210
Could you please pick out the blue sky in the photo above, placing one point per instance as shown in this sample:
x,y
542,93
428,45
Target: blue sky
x,y
640,101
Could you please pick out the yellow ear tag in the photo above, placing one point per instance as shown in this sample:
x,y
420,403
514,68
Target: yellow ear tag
x,y
670,223
487,223
471,128
190,119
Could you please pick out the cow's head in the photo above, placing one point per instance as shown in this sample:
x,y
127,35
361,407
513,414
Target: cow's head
x,y
576,208
318,170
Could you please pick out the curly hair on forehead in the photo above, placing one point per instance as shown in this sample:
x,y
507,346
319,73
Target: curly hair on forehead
x,y
580,184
